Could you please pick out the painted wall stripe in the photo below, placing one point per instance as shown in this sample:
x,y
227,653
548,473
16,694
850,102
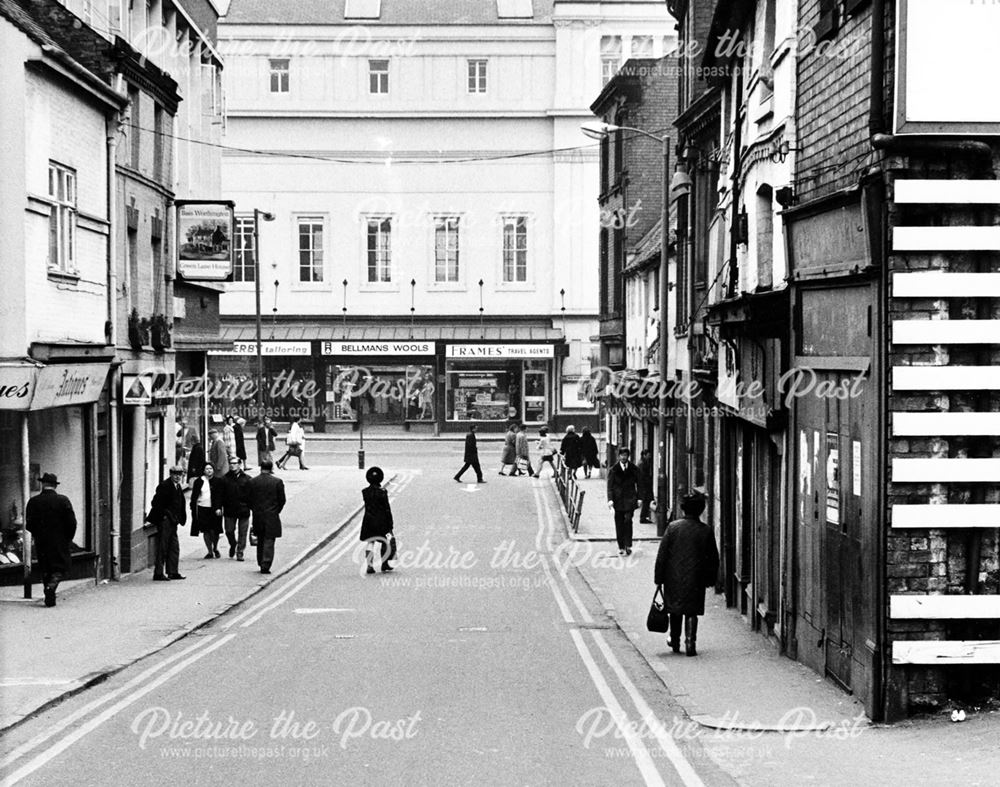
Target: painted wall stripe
x,y
946,239
944,469
941,424
937,284
910,515
946,331
931,191
939,607
947,652
946,378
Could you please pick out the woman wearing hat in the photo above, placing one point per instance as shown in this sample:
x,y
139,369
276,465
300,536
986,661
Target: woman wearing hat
x,y
376,527
206,509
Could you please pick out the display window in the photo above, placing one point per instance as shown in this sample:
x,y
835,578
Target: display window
x,y
481,393
289,387
383,394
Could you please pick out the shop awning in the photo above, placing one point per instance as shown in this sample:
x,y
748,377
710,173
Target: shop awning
x,y
439,332
25,385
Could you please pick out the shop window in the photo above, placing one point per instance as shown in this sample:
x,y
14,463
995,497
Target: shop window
x,y
515,249
483,394
58,443
62,219
381,394
379,250
245,267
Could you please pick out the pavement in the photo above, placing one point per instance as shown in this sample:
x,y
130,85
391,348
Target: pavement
x,y
49,654
597,523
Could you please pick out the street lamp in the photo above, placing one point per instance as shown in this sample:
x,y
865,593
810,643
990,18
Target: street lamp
x,y
257,216
600,130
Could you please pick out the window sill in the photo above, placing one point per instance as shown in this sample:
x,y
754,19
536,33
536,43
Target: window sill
x,y
447,287
320,286
65,277
379,287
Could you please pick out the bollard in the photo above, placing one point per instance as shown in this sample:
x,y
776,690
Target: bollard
x,y
361,459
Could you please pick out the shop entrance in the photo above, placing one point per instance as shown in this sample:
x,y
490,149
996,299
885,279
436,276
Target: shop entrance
x,y
535,385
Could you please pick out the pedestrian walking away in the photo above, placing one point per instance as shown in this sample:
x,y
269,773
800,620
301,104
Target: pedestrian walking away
x,y
295,445
588,452
377,526
570,450
218,454
687,562
471,457
196,460
623,498
507,457
236,508
521,452
50,519
206,509
240,440
266,435
168,512
546,451
267,499
645,485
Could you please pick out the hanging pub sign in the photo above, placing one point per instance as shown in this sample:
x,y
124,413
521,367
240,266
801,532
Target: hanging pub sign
x,y
946,56
204,240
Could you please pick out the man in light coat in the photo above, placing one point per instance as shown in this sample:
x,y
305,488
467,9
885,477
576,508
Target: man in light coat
x,y
218,453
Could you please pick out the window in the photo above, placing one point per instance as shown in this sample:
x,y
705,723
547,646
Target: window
x,y
158,138
642,46
310,250
245,268
134,124
515,249
378,76
829,20
62,219
115,17
446,249
279,75
611,57
514,9
477,76
362,9
379,250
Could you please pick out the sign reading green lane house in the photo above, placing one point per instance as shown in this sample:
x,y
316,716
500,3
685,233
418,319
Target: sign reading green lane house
x,y
378,348
204,240
499,351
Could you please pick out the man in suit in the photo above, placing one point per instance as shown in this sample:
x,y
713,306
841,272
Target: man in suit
x,y
168,512
218,453
645,485
50,519
265,441
623,497
267,498
236,507
471,458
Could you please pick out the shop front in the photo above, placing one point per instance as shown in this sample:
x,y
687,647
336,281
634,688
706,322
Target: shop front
x,y
54,419
498,383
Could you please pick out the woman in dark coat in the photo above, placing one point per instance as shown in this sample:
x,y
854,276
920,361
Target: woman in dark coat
x,y
686,563
376,526
570,449
509,457
588,452
206,509
196,460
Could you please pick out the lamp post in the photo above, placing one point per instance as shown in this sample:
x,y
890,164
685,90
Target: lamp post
x,y
482,329
600,130
257,216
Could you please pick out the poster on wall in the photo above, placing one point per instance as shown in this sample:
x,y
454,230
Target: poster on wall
x,y
204,240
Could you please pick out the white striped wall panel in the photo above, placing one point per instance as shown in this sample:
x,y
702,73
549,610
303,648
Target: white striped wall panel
x,y
933,192
942,424
946,239
946,331
946,378
938,607
945,470
945,651
908,515
937,284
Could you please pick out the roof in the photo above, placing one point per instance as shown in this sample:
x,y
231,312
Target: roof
x,y
443,332
392,12
648,246
48,23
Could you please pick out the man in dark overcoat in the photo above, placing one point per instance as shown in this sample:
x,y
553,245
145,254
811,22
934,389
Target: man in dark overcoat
x,y
571,450
645,485
267,498
168,512
50,519
686,564
623,498
471,457
236,508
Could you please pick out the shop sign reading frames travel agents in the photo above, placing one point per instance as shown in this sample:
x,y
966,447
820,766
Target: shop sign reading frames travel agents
x,y
204,240
475,351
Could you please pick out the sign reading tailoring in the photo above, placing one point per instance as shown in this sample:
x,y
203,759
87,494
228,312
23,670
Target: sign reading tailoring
x,y
267,348
499,351
378,348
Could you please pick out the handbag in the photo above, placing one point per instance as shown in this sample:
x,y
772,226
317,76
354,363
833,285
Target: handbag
x,y
392,546
658,619
253,539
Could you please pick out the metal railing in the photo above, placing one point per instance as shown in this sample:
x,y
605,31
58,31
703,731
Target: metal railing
x,y
569,492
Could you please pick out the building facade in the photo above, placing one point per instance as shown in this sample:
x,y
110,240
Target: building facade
x,y
429,184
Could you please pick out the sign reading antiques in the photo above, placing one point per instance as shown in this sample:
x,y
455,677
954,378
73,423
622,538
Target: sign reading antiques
x,y
474,351
204,240
24,387
378,348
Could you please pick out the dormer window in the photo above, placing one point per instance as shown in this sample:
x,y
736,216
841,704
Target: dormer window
x,y
362,9
514,9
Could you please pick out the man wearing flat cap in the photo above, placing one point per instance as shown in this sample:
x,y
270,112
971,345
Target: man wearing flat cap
x,y
50,519
168,512
686,563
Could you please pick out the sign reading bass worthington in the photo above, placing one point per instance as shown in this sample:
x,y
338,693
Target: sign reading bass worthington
x,y
204,240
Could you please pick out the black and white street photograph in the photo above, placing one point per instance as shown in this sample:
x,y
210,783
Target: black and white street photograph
x,y
500,392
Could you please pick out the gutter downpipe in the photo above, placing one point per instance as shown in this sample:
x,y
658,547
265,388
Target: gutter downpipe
x,y
114,492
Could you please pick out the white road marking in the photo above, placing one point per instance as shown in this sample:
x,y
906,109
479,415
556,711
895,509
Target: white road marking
x,y
544,560
11,682
289,592
640,755
63,723
667,743
49,754
570,590
319,610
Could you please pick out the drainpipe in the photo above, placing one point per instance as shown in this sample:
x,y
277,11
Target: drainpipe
x,y
114,491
